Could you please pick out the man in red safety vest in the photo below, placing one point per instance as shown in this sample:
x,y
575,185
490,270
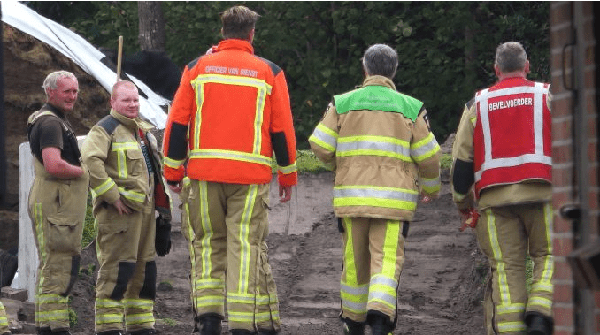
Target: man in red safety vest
x,y
502,167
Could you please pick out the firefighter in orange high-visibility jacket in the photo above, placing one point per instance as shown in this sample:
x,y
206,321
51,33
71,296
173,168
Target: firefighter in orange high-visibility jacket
x,y
502,167
125,176
229,115
384,155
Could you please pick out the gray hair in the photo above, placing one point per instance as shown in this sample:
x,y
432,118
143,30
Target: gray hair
x,y
380,59
52,79
511,57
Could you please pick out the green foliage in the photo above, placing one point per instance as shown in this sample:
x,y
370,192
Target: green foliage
x,y
168,321
306,161
89,225
529,273
446,161
445,49
72,317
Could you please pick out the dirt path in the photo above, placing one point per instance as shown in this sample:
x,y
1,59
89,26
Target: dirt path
x,y
440,287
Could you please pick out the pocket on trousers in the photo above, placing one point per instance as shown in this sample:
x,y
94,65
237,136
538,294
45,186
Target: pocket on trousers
x,y
64,235
110,222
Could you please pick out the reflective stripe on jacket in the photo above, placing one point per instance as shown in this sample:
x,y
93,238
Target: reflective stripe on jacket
x,y
382,159
230,113
513,111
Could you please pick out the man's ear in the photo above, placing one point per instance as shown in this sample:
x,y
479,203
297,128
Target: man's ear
x,y
497,69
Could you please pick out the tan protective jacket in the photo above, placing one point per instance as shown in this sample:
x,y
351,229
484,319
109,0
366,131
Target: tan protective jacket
x,y
462,155
382,160
116,163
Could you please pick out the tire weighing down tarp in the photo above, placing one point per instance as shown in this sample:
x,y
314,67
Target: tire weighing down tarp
x,y
82,53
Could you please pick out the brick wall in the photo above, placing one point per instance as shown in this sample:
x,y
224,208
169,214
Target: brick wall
x,y
561,34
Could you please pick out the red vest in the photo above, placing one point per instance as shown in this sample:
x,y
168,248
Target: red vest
x,y
512,137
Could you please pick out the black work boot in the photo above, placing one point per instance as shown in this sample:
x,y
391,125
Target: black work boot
x,y
47,331
267,332
242,332
352,327
144,332
380,324
111,332
209,324
538,324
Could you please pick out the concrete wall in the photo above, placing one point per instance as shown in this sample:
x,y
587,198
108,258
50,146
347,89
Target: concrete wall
x,y
28,259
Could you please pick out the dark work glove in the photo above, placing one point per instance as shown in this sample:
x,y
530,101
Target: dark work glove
x,y
163,236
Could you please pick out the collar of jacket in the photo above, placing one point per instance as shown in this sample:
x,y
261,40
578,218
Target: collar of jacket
x,y
53,109
377,80
235,44
132,124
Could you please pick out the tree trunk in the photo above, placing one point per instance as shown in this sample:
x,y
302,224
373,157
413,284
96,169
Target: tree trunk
x,y
151,25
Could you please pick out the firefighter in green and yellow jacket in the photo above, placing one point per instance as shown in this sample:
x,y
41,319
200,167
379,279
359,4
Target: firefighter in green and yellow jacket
x,y
383,153
57,202
125,177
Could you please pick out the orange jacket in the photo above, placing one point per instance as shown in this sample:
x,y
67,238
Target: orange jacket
x,y
230,113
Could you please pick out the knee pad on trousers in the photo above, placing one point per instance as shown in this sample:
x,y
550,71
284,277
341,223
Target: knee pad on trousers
x,y
75,262
149,288
125,273
376,317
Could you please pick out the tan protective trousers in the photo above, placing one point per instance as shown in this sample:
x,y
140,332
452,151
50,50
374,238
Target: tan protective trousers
x,y
226,226
506,234
57,210
126,284
373,261
3,321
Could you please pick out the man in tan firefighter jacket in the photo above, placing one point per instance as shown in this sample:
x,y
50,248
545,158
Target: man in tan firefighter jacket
x,y
125,177
378,142
57,202
502,167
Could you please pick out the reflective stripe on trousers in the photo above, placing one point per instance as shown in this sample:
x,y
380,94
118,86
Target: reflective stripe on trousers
x,y
226,226
505,234
3,320
126,283
373,261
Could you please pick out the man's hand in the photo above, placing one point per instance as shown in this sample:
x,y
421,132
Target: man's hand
x,y
121,207
175,188
285,193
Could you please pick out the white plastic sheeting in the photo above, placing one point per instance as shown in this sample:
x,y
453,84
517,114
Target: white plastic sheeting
x,y
81,52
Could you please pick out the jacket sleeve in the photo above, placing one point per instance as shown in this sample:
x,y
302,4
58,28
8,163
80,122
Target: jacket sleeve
x,y
461,173
425,152
282,132
94,152
323,140
175,143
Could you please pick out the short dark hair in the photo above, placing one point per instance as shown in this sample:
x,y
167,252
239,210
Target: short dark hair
x,y
380,59
238,22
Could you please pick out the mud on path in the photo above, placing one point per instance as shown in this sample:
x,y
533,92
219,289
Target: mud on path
x,y
440,288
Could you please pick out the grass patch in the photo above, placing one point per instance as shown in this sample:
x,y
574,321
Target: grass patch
x,y
446,161
168,321
89,225
529,273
